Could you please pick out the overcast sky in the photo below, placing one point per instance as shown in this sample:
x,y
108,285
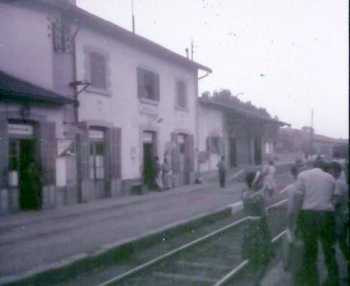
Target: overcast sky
x,y
288,56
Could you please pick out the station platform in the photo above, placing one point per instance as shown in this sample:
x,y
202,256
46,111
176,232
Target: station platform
x,y
33,242
277,276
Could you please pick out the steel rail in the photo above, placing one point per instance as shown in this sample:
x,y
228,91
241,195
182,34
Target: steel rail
x,y
172,252
186,246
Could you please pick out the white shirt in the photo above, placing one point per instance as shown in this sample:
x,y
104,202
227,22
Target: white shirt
x,y
317,188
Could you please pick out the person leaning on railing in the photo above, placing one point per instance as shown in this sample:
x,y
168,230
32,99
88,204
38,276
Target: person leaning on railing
x,y
257,246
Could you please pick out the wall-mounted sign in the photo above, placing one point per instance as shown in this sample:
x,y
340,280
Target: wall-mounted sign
x,y
20,129
148,137
96,134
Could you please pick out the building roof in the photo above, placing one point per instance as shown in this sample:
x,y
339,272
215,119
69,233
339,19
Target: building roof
x,y
15,89
316,137
238,108
81,16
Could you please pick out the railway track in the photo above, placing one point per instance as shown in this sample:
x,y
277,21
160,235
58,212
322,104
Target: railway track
x,y
214,259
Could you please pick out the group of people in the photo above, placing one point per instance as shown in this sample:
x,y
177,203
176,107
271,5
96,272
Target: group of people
x,y
317,212
159,175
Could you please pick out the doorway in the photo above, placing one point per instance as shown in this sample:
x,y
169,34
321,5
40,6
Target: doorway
x,y
233,152
25,172
257,151
149,152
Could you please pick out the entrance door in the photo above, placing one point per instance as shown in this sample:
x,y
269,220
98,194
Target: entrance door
x,y
233,152
149,151
24,167
257,151
97,161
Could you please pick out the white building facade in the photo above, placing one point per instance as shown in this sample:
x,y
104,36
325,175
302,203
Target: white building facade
x,y
96,103
146,93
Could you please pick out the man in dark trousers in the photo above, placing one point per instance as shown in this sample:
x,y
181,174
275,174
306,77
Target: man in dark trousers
x,y
316,189
222,172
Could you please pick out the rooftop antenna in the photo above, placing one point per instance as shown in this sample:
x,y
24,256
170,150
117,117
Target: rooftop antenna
x,y
133,16
186,50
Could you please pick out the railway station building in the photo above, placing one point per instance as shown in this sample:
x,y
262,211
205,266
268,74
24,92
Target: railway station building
x,y
242,133
85,106
89,104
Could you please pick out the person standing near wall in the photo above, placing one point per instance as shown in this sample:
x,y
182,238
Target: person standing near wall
x,y
156,179
166,177
222,172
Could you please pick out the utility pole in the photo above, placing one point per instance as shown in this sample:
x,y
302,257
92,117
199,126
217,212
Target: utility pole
x,y
132,16
192,50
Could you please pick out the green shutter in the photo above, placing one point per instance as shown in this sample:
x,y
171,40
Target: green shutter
x,y
115,152
139,82
189,151
157,87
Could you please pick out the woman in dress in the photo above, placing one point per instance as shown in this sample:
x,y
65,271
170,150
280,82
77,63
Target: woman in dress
x,y
257,245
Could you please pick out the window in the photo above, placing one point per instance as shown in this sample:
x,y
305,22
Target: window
x,y
181,141
213,144
147,84
181,94
98,70
97,154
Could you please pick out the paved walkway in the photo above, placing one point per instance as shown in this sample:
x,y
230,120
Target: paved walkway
x,y
34,241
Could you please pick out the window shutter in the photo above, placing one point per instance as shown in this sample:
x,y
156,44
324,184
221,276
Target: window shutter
x,y
157,87
48,152
83,151
115,152
189,151
139,82
4,151
175,163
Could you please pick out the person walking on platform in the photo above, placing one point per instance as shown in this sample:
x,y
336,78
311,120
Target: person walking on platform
x,y
257,245
222,172
315,189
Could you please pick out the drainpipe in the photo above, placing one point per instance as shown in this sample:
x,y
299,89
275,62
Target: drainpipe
x,y
76,114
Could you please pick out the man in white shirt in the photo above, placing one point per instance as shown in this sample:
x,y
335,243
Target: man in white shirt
x,y
316,190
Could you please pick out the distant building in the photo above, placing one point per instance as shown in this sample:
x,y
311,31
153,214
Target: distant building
x,y
239,131
305,142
